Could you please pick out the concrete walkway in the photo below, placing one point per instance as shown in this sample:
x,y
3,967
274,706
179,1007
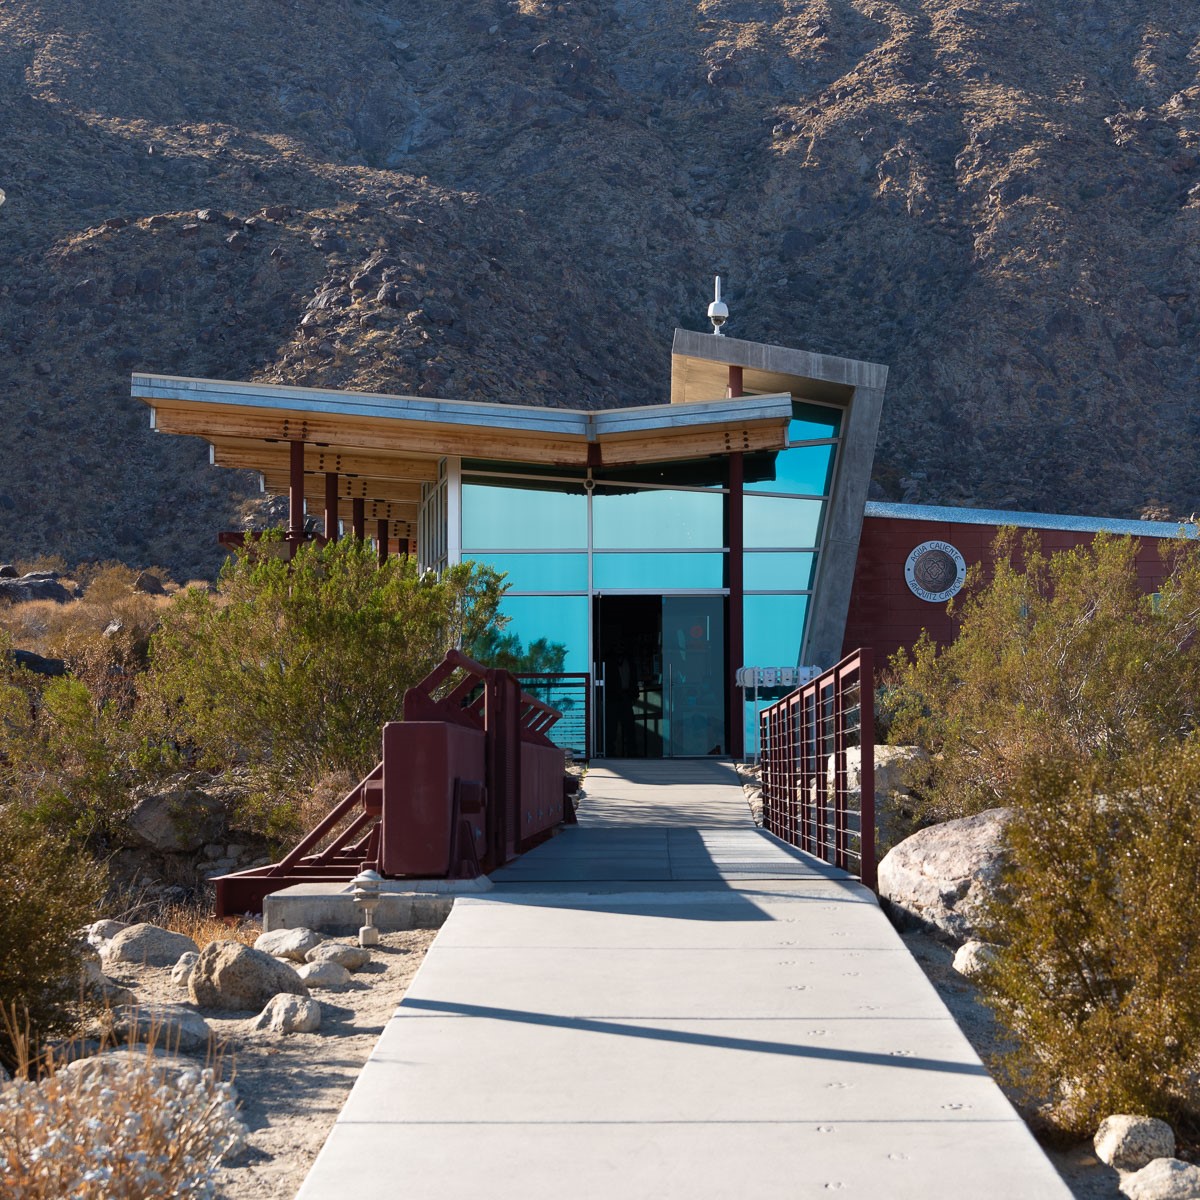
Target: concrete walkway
x,y
667,1002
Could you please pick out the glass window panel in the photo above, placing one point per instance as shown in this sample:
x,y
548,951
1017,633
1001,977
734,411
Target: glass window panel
x,y
657,520
657,572
502,518
778,572
812,421
778,521
560,620
541,572
773,630
803,470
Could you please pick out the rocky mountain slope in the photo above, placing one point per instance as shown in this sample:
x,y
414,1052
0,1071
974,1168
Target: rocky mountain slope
x,y
518,201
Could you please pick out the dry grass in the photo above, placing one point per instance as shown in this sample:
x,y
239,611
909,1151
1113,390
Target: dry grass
x,y
202,927
103,1130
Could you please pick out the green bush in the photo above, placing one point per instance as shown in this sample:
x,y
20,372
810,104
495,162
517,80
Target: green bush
x,y
1063,657
48,894
293,668
63,757
1098,923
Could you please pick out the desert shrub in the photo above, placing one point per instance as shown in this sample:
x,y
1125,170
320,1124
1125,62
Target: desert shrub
x,y
47,895
1063,657
293,668
1098,972
64,757
134,1133
197,922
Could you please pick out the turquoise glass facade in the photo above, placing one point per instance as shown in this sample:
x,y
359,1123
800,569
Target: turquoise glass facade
x,y
571,545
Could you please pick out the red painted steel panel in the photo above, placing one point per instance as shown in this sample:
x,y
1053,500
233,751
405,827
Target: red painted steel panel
x,y
885,614
422,760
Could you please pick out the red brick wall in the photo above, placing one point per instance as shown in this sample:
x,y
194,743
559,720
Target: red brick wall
x,y
884,613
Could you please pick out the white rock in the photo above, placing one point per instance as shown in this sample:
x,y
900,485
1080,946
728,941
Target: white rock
x,y
1163,1179
971,957
230,975
184,968
177,1028
939,876
289,943
353,958
147,944
324,975
289,1014
1130,1142
100,933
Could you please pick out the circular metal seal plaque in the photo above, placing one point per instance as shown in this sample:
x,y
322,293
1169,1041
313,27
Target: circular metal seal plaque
x,y
935,571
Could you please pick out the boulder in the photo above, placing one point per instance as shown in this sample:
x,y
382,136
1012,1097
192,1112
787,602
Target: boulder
x,y
1131,1142
37,585
100,933
289,1014
1163,1179
353,958
179,821
184,968
39,665
174,1026
231,975
938,876
324,975
289,943
972,957
147,581
147,945
8,571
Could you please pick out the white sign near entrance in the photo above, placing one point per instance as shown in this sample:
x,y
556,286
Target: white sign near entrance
x,y
769,677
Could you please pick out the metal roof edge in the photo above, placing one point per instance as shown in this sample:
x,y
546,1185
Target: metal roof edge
x,y
566,421
1028,520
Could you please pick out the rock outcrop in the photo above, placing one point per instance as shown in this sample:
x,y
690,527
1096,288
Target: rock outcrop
x,y
938,876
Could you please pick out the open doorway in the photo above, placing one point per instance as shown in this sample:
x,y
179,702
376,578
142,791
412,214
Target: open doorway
x,y
662,661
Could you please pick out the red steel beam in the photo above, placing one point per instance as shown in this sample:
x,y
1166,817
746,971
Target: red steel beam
x,y
331,505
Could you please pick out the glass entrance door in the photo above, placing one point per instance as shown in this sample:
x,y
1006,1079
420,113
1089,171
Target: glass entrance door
x,y
662,662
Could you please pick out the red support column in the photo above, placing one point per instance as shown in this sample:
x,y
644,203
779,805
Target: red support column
x,y
358,518
381,540
735,637
295,533
734,390
331,506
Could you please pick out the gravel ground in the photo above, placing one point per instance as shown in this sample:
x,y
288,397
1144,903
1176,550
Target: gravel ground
x,y
292,1087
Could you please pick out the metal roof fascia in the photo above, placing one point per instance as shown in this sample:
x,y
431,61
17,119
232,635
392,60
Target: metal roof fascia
x,y
1028,520
678,416
569,422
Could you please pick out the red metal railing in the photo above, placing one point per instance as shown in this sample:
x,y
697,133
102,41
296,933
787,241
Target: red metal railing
x,y
468,780
806,741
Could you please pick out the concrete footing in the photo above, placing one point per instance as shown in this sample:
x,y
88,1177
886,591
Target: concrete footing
x,y
403,904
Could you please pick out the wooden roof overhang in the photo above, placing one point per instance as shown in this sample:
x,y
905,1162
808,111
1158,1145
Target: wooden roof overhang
x,y
384,447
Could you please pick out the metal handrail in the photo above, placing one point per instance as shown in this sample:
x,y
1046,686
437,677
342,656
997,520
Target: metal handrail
x,y
804,738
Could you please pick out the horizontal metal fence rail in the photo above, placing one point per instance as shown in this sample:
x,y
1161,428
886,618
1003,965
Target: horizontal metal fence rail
x,y
570,693
806,741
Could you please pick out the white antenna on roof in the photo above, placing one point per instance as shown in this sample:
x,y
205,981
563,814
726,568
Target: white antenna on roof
x,y
718,310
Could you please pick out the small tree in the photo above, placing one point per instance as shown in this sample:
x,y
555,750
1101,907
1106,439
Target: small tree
x,y
1063,657
1098,972
293,667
